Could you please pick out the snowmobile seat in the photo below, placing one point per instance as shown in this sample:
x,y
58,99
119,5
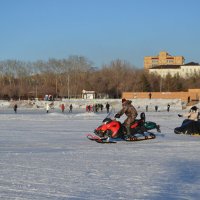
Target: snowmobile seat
x,y
142,116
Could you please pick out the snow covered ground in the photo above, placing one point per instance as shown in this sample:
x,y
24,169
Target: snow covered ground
x,y
47,156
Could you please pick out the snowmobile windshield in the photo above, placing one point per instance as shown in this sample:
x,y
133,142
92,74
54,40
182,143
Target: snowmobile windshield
x,y
110,116
107,120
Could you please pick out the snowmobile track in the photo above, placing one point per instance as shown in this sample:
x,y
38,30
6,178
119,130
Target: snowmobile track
x,y
132,139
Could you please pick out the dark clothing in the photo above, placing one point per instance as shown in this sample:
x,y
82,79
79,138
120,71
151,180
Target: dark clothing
x,y
70,108
15,108
168,107
101,106
191,125
188,127
107,107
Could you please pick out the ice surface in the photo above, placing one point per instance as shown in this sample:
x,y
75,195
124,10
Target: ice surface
x,y
47,156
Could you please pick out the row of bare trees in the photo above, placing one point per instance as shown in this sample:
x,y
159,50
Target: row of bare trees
x,y
68,77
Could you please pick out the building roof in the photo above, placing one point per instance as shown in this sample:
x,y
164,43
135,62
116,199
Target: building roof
x,y
166,67
192,63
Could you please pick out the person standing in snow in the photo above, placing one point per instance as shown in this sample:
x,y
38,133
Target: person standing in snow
x,y
101,106
47,107
168,107
15,108
70,108
129,110
150,95
62,107
107,107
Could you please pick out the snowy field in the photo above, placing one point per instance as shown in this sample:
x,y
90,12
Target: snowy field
x,y
48,157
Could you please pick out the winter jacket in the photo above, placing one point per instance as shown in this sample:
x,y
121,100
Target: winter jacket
x,y
62,107
192,115
129,110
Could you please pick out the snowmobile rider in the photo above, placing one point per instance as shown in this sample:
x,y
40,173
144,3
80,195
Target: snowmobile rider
x,y
129,110
193,114
191,124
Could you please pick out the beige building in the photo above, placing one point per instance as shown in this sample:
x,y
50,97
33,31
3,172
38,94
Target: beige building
x,y
162,59
181,70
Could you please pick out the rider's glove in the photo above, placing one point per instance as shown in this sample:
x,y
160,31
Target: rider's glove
x,y
180,115
117,115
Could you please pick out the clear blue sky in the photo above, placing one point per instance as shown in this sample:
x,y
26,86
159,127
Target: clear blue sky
x,y
100,30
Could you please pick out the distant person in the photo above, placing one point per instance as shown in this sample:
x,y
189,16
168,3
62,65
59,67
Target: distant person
x,y
101,106
62,107
15,108
88,108
107,107
147,108
150,95
168,107
189,99
96,108
70,108
156,108
47,108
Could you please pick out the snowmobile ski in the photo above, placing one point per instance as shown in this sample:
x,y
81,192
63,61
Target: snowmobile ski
x,y
99,140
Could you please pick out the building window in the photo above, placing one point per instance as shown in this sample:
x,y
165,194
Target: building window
x,y
154,62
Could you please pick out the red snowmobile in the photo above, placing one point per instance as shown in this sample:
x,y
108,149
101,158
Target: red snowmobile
x,y
112,130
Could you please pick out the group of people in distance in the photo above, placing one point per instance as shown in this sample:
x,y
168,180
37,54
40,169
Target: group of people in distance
x,y
189,126
97,107
62,107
